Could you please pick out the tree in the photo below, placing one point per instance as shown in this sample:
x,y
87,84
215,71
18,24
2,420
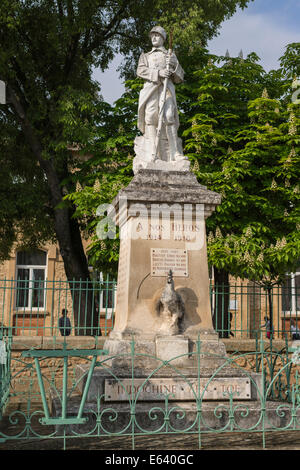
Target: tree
x,y
24,209
246,148
49,49
108,170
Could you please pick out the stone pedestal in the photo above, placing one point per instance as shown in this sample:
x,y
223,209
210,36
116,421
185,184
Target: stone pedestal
x,y
161,216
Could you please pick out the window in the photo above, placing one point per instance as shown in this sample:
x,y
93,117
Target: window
x,y
106,293
107,298
291,293
31,275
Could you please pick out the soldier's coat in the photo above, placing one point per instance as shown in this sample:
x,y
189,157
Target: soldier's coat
x,y
148,70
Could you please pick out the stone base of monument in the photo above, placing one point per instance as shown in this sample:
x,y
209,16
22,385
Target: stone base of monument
x,y
166,387
171,385
178,417
168,365
179,165
179,350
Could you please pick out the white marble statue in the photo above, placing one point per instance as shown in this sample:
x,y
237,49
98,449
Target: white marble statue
x,y
157,111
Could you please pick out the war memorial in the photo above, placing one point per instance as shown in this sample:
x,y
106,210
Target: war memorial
x,y
164,360
163,368
131,317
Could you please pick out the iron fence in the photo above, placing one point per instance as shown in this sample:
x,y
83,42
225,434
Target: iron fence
x,y
244,310
60,403
57,308
29,307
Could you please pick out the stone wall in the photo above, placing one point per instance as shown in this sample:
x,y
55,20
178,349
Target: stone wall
x,y
248,359
24,383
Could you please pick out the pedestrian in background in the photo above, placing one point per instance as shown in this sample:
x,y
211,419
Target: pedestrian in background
x,y
268,326
294,330
64,323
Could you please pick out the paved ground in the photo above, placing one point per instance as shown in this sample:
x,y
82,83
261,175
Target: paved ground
x,y
227,441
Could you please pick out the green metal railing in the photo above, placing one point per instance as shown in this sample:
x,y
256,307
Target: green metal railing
x,y
91,414
35,307
241,310
5,370
65,354
238,311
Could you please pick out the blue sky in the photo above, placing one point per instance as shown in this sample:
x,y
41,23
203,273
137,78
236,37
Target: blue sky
x,y
265,27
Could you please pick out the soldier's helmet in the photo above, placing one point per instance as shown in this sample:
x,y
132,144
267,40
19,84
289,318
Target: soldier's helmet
x,y
159,30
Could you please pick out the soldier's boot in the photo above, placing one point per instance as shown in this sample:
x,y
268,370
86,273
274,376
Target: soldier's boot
x,y
174,146
150,135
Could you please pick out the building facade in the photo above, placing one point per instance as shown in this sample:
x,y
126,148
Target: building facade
x,y
34,291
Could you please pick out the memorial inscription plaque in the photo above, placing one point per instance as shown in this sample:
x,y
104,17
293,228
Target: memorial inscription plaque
x,y
156,389
163,260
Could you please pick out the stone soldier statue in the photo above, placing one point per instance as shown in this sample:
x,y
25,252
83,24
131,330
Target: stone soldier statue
x,y
157,101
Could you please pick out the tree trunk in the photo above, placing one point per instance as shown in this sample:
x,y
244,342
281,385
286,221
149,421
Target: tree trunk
x,y
66,228
77,272
75,262
76,268
221,317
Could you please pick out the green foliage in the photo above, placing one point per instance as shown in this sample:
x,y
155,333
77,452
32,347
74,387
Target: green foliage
x,y
98,180
193,23
244,144
290,61
49,49
25,214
